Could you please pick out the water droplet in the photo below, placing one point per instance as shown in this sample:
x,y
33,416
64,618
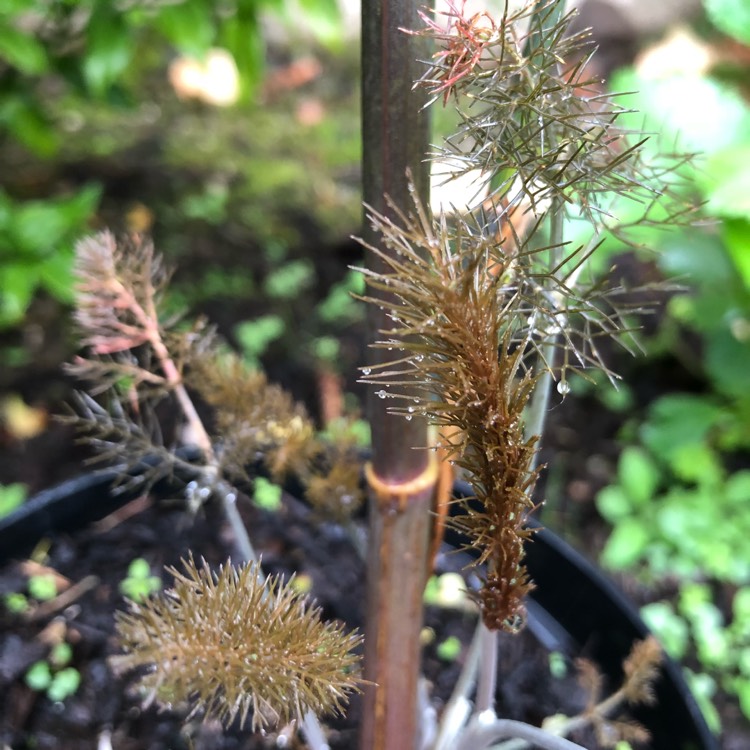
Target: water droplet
x,y
416,400
514,623
366,370
381,394
419,357
410,409
408,417
563,388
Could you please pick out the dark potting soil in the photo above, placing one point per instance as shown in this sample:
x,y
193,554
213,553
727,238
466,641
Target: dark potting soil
x,y
106,708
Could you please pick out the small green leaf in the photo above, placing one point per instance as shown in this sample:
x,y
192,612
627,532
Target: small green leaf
x,y
742,688
139,584
43,587
326,348
449,649
697,463
323,18
61,654
626,545
671,630
558,667
736,234
241,35
728,362
39,676
703,688
730,16
741,605
108,47
11,497
267,495
677,420
17,284
16,603
638,475
254,336
189,25
64,684
139,568
289,280
614,503
22,51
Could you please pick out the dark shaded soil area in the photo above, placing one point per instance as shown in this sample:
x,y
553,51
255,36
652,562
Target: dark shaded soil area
x,y
103,709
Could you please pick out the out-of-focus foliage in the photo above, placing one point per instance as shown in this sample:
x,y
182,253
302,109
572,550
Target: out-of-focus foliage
x,y
36,247
99,53
681,506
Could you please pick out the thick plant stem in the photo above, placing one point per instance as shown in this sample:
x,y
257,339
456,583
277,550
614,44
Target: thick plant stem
x,y
400,522
402,479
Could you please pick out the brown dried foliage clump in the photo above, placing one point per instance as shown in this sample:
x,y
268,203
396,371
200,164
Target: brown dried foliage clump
x,y
135,359
232,642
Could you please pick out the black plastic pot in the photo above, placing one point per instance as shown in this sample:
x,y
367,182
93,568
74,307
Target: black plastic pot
x,y
573,609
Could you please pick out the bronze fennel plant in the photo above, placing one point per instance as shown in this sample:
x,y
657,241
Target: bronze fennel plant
x,y
489,306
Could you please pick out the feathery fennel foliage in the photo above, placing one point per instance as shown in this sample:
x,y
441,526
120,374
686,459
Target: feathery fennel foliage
x,y
489,304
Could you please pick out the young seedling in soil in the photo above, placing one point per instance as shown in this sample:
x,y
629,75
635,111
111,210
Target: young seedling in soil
x,y
478,314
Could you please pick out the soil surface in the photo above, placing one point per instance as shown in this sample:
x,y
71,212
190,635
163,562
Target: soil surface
x,y
107,709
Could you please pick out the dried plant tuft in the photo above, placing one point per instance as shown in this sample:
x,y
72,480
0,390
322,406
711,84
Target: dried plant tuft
x,y
135,359
641,670
232,642
451,317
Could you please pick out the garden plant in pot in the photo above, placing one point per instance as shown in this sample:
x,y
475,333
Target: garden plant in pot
x,y
477,314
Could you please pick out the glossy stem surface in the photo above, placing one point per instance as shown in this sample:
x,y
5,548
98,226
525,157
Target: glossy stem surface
x,y
395,134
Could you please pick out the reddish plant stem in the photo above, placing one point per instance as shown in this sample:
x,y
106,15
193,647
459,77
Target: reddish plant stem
x,y
402,479
149,322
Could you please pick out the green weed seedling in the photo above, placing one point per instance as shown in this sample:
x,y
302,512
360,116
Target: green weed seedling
x,y
254,336
54,677
669,521
11,497
16,603
449,649
140,584
43,587
267,495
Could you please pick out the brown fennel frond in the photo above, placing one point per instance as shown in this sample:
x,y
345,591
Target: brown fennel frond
x,y
232,642
131,360
641,670
492,302
454,326
256,420
118,292
134,359
539,128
